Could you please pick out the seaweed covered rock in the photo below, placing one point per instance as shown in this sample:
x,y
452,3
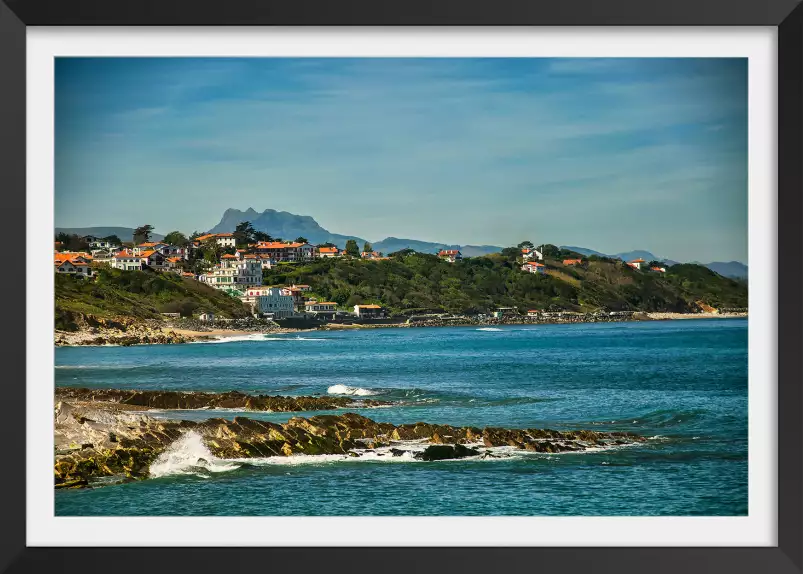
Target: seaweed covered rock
x,y
198,400
107,439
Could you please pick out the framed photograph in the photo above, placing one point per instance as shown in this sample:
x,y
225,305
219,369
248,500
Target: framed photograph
x,y
435,296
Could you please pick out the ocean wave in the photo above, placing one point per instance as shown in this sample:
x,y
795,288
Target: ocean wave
x,y
347,390
189,455
492,329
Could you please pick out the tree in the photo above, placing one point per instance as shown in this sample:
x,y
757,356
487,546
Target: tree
x,y
113,239
176,238
142,234
195,235
244,233
352,249
526,245
302,239
262,236
327,244
211,250
367,248
72,242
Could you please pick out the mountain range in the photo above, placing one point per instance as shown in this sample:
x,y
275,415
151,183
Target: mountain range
x,y
289,226
732,269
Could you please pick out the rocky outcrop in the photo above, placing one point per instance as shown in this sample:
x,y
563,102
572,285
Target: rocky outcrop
x,y
138,334
93,442
197,400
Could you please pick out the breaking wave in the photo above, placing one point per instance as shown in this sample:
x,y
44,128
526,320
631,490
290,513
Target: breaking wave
x,y
347,390
189,455
488,329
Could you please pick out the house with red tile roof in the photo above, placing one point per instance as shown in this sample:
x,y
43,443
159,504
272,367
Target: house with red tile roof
x,y
572,261
658,269
450,255
285,252
76,265
370,255
328,252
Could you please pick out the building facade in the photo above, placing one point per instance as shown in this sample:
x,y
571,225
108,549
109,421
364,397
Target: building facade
x,y
533,267
234,274
285,252
273,303
222,239
369,311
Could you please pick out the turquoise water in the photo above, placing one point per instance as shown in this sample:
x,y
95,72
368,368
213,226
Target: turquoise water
x,y
681,383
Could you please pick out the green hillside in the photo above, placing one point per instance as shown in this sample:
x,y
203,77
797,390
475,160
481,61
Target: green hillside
x,y
135,294
412,282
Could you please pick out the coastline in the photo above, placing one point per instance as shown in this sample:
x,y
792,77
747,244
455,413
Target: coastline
x,y
152,336
169,335
635,317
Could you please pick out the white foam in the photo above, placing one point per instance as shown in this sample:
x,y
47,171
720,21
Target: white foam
x,y
488,329
189,455
347,390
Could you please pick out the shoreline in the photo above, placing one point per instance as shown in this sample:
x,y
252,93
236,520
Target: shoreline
x,y
170,335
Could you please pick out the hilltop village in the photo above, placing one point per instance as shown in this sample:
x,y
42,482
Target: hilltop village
x,y
283,280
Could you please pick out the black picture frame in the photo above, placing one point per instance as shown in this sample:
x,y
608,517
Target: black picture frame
x,y
786,15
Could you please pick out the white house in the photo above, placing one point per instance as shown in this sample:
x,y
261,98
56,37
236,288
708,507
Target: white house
x,y
364,311
232,273
658,269
528,254
77,266
127,261
97,243
222,239
450,255
148,246
636,263
326,309
272,302
328,252
251,293
533,267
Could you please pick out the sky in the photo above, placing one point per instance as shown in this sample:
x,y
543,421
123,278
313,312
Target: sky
x,y
609,154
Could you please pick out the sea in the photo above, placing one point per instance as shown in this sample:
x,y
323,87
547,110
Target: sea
x,y
682,384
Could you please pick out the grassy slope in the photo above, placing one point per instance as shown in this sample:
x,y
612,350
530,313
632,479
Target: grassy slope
x,y
138,294
419,282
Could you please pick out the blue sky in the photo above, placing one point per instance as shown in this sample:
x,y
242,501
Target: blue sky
x,y
611,154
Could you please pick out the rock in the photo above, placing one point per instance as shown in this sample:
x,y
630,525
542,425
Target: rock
x,y
195,400
446,452
107,439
